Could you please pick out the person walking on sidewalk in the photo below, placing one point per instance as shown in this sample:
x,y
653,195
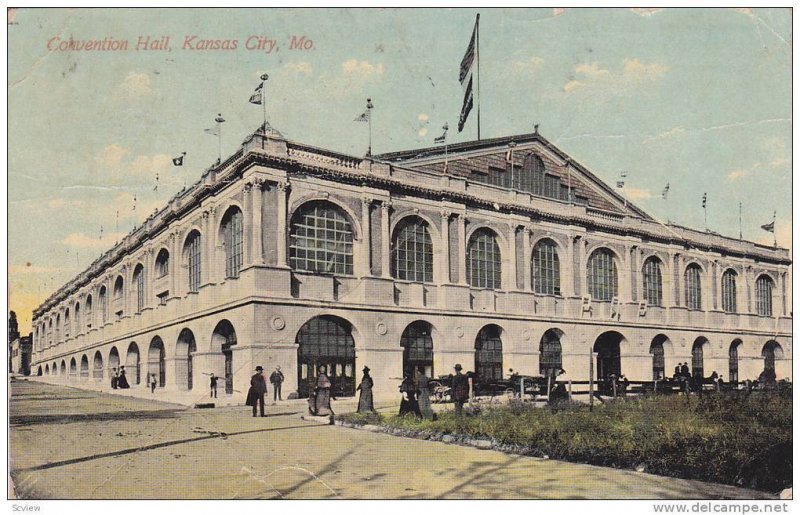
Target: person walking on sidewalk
x,y
214,379
153,383
276,378
258,388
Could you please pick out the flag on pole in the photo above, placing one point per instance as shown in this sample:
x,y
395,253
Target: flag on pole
x,y
705,199
363,117
465,77
256,97
178,161
443,137
214,131
665,192
770,227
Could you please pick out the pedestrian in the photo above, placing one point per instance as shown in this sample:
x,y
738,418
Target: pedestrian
x,y
122,381
258,388
685,371
424,397
114,378
365,397
677,375
214,379
409,403
276,378
460,390
319,403
153,383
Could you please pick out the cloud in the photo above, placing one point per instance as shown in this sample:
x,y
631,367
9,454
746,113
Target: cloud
x,y
112,155
422,117
747,11
637,193
362,69
558,11
423,131
134,85
61,203
631,77
29,268
529,65
646,12
299,68
80,240
780,162
735,175
671,133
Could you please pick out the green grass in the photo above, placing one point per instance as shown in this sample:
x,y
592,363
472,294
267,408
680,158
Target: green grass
x,y
733,439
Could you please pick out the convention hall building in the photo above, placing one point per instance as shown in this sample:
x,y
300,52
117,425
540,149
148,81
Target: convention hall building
x,y
496,254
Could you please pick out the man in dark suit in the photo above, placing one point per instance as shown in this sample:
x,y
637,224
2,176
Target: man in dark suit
x,y
258,388
460,390
276,378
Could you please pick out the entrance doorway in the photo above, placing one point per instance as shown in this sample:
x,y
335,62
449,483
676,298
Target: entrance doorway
x,y
607,347
417,343
225,336
326,341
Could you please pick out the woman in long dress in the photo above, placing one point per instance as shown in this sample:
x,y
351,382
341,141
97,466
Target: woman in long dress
x,y
122,381
365,397
409,404
320,402
424,397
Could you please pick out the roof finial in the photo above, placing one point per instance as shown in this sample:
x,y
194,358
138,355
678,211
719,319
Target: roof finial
x,y
536,128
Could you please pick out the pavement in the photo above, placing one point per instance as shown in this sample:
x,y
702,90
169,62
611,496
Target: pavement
x,y
67,443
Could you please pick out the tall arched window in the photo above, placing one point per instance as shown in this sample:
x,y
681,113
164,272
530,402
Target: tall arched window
x,y
601,275
483,260
764,287
729,291
103,304
66,323
412,251
550,353
697,356
321,240
489,353
89,311
417,343
692,284
192,251
233,238
657,351
651,281
733,361
77,318
162,264
138,281
546,271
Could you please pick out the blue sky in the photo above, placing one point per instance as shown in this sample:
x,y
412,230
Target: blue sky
x,y
697,98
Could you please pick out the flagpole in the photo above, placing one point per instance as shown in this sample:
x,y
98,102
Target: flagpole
x,y
478,62
264,78
774,235
740,220
369,122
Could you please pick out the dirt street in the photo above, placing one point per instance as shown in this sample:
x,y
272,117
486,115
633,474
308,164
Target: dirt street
x,y
73,444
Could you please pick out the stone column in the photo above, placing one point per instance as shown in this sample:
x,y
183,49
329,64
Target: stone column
x,y
256,237
527,256
668,288
174,264
783,293
206,265
511,282
679,283
582,265
366,240
445,247
461,222
149,276
283,190
385,237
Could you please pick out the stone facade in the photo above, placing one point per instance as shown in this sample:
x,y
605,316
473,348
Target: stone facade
x,y
135,308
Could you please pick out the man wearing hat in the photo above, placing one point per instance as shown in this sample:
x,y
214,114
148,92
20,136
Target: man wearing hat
x,y
276,378
460,390
258,388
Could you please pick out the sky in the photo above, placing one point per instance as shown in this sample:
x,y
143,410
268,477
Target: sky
x,y
697,98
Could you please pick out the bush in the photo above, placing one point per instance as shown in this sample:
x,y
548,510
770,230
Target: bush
x,y
742,440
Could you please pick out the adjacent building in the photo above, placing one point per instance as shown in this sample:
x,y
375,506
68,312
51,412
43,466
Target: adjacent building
x,y
496,254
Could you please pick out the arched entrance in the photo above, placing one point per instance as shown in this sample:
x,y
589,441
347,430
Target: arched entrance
x,y
113,360
550,353
184,351
607,347
770,352
489,353
156,362
63,368
46,370
73,369
133,364
417,343
697,356
326,341
54,368
657,351
733,361
97,369
224,338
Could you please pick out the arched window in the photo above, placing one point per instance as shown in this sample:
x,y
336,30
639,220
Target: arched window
x,y
601,275
162,264
59,329
119,285
412,251
697,356
729,291
327,342
764,286
691,280
192,253
483,260
103,304
138,280
417,344
651,279
550,353
733,361
66,323
489,353
321,240
89,311
546,270
77,318
770,352
156,364
233,238
657,351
